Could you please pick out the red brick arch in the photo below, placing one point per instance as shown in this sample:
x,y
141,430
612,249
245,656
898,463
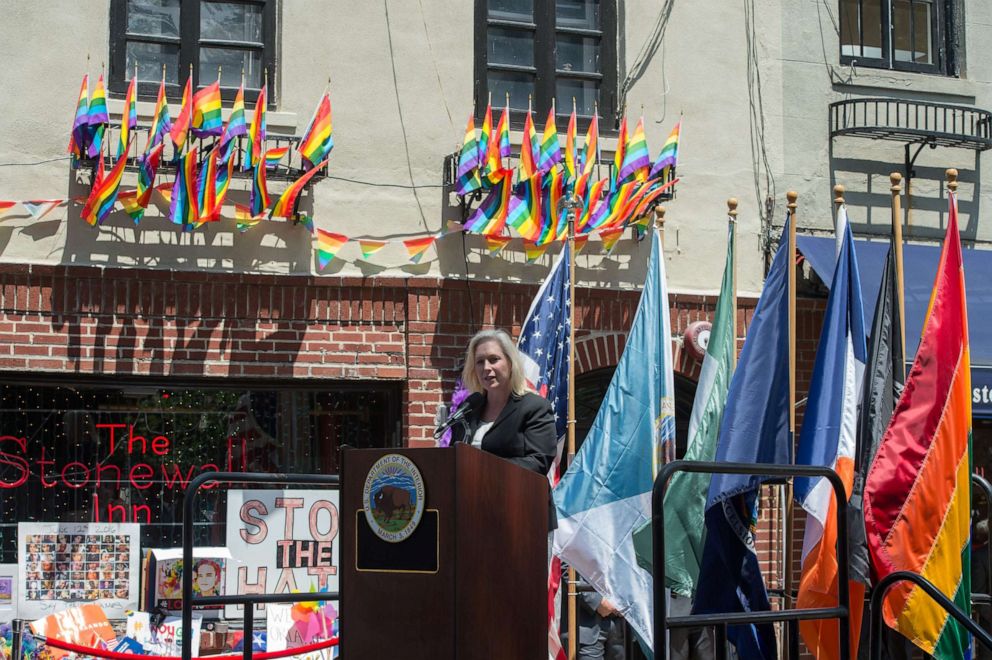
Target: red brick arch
x,y
599,350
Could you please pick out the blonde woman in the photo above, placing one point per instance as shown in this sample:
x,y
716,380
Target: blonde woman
x,y
503,417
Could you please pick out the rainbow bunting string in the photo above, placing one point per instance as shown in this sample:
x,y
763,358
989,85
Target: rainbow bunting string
x,y
418,246
370,247
328,245
534,251
495,244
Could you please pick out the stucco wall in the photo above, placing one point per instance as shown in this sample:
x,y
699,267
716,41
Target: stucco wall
x,y
401,91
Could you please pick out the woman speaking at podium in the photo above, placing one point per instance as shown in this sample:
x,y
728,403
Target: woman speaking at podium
x,y
501,416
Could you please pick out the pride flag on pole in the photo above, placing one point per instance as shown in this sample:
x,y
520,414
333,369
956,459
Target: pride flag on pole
x,y
917,500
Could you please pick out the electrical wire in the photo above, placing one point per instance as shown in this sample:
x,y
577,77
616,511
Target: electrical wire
x,y
764,178
399,108
437,72
645,54
38,162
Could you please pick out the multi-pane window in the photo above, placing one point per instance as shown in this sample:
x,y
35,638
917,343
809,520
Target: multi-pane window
x,y
539,50
216,37
897,34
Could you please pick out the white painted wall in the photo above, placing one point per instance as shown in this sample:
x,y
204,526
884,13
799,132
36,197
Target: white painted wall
x,y
401,97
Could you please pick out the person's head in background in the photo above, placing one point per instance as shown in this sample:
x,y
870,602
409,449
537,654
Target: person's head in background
x,y
494,365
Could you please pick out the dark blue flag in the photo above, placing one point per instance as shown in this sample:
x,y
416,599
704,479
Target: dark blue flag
x,y
755,429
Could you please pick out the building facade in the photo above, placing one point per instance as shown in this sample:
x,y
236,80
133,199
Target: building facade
x,y
242,352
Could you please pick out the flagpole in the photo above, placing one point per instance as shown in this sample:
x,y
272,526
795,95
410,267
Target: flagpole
x,y
575,206
791,196
732,221
895,178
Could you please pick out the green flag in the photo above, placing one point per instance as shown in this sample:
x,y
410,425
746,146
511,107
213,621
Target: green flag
x,y
685,499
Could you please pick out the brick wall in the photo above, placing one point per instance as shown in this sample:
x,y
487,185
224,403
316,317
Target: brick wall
x,y
117,322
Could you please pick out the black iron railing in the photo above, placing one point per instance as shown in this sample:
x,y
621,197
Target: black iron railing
x,y
937,124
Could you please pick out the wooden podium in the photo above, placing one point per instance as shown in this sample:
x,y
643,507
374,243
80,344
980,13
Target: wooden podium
x,y
469,582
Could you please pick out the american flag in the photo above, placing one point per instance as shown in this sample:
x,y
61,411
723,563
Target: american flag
x,y
544,345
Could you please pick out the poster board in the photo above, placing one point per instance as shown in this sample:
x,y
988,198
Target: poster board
x,y
85,625
162,586
66,564
284,631
164,639
8,592
281,541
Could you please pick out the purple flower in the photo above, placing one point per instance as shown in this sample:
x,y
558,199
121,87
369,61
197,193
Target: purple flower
x,y
457,397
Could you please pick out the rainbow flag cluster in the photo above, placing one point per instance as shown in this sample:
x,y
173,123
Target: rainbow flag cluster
x,y
203,175
530,197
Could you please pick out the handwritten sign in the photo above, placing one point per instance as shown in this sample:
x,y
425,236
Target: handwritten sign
x,y
281,541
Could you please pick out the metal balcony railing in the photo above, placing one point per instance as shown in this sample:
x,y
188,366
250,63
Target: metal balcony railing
x,y
936,124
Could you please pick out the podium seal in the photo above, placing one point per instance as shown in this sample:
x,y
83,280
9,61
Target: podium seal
x,y
393,498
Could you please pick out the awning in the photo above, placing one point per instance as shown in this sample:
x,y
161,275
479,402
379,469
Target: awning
x,y
920,265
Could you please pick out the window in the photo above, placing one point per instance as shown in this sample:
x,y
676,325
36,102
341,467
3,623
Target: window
x,y
209,35
544,50
123,452
895,34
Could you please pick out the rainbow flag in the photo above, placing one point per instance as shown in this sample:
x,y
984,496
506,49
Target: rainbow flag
x,y
223,178
129,202
609,212
97,118
495,244
550,150
640,214
483,143
528,153
370,247
416,247
490,217
184,209
80,135
129,118
468,162
244,219
592,202
610,238
534,251
525,209
318,139
147,170
285,207
917,498
570,163
590,149
328,245
273,156
161,123
256,133
636,159
207,119
503,133
580,242
236,125
621,152
553,224
206,189
180,128
104,193
668,159
258,200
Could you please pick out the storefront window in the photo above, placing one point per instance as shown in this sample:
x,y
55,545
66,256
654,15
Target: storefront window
x,y
94,453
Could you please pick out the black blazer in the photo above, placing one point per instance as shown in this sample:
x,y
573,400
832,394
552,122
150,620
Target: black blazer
x,y
523,433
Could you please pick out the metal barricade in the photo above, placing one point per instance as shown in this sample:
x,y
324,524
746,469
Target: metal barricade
x,y
247,600
661,619
883,587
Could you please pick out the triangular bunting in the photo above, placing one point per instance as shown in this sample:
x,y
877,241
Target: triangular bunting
x,y
497,243
6,207
417,246
580,242
39,208
534,251
328,245
245,220
370,247
610,238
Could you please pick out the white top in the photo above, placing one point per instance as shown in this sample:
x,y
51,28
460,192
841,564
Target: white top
x,y
480,433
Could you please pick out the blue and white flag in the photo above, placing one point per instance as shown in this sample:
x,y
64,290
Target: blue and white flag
x,y
543,341
754,429
605,495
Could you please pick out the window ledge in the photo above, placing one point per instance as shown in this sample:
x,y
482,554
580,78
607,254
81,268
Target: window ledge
x,y
285,122
849,78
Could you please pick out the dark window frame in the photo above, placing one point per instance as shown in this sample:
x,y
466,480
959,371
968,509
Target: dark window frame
x,y
545,30
941,36
189,43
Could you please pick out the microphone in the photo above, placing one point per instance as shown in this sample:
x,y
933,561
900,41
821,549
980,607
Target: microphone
x,y
468,405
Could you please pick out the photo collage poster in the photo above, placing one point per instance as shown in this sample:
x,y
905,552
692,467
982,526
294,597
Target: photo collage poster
x,y
65,564
8,592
